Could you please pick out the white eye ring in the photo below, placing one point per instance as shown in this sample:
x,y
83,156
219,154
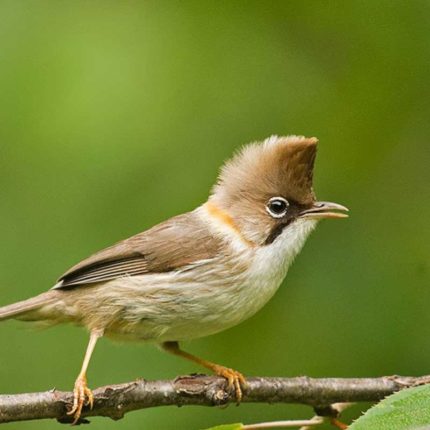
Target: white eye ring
x,y
277,207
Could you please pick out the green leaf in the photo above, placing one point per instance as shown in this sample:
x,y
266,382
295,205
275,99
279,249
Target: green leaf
x,y
408,409
235,426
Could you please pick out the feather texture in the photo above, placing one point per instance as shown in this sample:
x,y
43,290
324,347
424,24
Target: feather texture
x,y
169,246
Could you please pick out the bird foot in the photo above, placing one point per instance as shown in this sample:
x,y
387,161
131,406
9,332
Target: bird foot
x,y
235,380
82,395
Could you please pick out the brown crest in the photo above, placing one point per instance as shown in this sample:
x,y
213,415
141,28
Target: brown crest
x,y
279,166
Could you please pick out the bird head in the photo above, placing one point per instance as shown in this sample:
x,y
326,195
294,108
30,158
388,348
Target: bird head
x,y
266,188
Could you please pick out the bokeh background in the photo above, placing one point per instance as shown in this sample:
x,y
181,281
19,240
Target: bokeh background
x,y
117,115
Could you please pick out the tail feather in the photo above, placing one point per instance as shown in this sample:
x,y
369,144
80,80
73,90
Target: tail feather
x,y
15,310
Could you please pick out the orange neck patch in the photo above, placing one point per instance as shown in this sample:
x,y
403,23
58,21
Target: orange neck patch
x,y
224,218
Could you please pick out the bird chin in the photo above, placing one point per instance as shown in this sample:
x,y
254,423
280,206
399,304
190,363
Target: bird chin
x,y
293,237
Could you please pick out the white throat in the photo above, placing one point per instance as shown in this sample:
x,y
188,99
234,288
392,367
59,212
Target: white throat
x,y
273,260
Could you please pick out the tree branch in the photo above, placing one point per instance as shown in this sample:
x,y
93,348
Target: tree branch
x,y
115,400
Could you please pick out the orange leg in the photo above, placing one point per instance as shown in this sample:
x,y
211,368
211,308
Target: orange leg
x,y
338,424
234,378
81,393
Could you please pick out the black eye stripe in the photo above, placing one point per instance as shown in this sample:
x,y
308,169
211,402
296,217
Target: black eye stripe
x,y
276,231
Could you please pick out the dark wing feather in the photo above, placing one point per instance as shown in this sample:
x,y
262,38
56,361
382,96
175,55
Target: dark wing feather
x,y
105,271
168,246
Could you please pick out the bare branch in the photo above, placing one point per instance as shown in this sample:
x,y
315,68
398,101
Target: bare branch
x,y
115,400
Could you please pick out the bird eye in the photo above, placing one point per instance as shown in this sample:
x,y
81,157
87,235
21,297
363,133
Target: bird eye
x,y
277,207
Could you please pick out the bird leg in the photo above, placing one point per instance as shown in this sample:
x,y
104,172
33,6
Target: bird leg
x,y
81,393
235,379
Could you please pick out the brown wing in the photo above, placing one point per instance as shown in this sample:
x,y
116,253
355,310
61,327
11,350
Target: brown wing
x,y
168,246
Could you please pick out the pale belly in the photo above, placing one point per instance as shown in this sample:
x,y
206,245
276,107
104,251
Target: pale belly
x,y
188,310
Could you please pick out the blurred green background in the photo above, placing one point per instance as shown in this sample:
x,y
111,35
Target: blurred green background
x,y
117,115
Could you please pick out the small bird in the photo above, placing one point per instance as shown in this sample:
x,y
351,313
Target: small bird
x,y
197,273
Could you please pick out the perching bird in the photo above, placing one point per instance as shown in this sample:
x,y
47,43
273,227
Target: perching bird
x,y
197,273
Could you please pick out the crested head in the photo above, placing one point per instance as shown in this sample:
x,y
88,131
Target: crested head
x,y
267,186
278,166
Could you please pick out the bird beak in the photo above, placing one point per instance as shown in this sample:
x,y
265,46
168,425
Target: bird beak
x,y
321,210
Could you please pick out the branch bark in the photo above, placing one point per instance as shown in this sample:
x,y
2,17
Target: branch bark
x,y
115,400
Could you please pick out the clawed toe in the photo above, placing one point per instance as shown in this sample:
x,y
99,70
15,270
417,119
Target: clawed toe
x,y
235,381
82,395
